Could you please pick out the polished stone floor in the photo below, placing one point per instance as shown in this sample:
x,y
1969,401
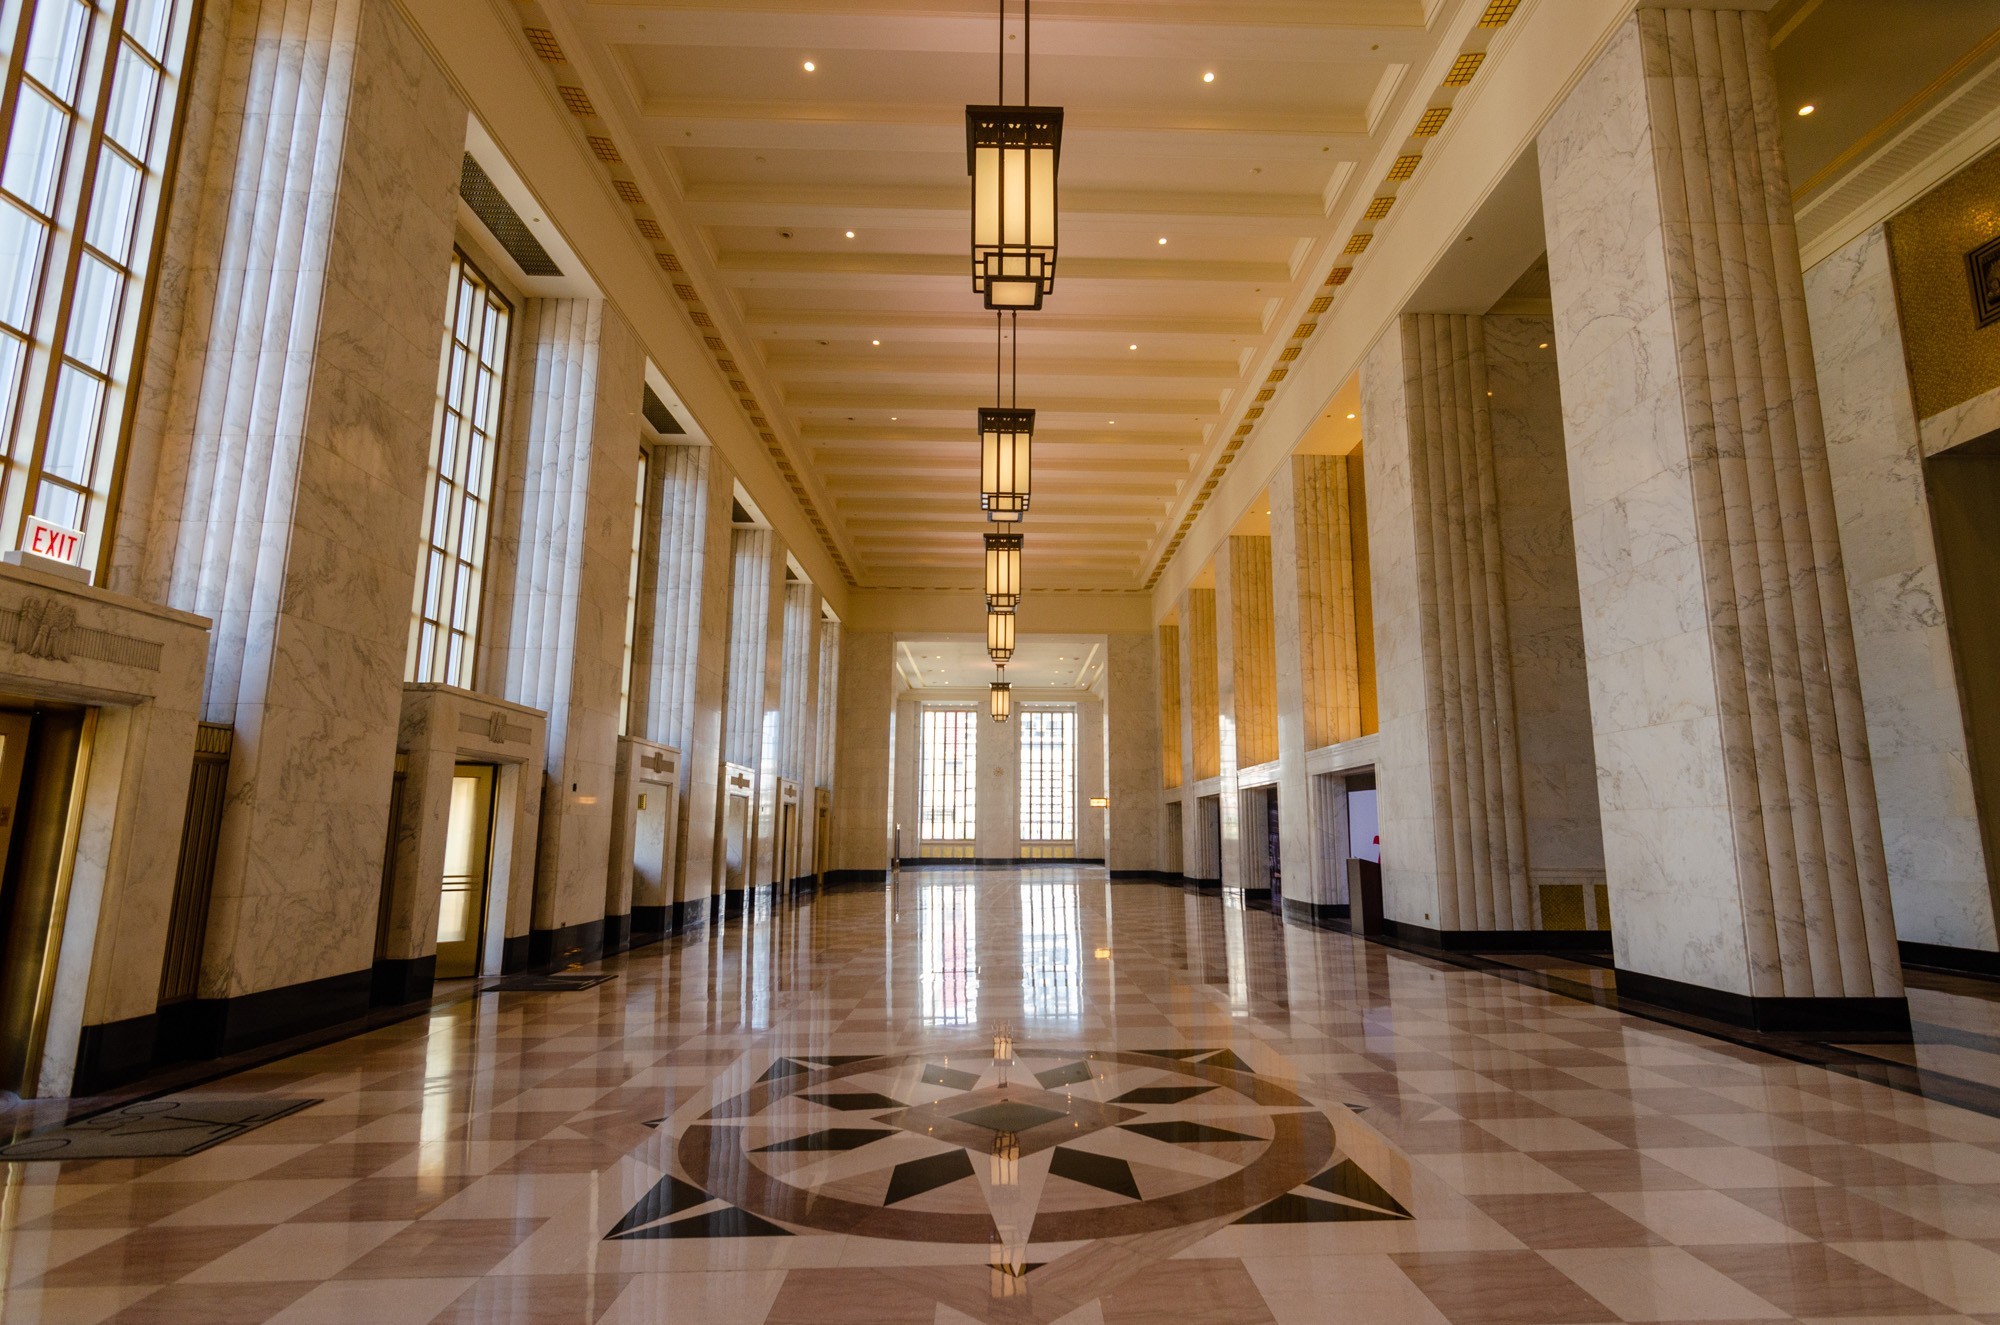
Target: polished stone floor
x,y
1033,1096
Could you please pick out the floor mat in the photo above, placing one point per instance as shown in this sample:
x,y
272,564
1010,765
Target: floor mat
x,y
153,1129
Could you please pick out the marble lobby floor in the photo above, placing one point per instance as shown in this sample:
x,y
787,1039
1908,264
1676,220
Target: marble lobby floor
x,y
1032,1096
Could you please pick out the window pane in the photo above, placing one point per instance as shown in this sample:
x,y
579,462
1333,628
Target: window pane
x,y
73,430
21,238
34,150
114,211
147,22
129,120
12,352
93,314
60,505
55,46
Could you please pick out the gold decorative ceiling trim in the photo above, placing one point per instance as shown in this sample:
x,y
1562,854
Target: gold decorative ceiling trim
x,y
1464,68
561,73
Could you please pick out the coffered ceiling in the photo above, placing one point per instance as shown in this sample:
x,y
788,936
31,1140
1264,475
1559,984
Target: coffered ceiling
x,y
862,359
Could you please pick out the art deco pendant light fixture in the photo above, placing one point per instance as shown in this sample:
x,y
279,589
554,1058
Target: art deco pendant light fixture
x,y
1003,695
1012,154
1003,573
1006,445
1000,636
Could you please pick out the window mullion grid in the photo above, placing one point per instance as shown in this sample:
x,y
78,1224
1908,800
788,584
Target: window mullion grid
x,y
73,192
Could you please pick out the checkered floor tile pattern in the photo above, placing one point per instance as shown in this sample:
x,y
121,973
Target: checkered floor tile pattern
x,y
1032,1096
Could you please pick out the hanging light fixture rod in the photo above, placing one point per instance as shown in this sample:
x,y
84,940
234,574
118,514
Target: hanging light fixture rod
x,y
1012,154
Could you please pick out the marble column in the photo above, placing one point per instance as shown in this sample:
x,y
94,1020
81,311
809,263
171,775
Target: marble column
x,y
292,475
1200,733
862,811
1246,684
750,723
1090,778
1938,873
1742,839
1132,744
798,696
827,707
1448,778
1319,658
1173,761
683,659
568,471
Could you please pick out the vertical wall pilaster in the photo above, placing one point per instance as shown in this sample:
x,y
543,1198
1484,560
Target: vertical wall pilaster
x,y
293,465
798,694
1246,682
756,638
570,466
1319,657
1743,842
861,812
827,707
1132,723
1200,734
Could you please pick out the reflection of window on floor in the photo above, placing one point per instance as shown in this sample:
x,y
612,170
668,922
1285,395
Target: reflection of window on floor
x,y
948,971
1051,952
1048,781
947,752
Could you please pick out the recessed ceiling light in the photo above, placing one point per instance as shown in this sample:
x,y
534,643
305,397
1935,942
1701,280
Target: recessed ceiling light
x,y
1350,416
810,66
874,342
1807,109
1163,239
1543,346
1208,78
850,234
1131,347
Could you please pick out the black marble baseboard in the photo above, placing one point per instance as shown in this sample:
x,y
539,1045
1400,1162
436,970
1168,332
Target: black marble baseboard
x,y
400,980
617,933
1319,914
1818,1016
1501,940
516,954
1146,876
115,1053
1201,885
850,878
1959,961
212,1027
651,923
569,945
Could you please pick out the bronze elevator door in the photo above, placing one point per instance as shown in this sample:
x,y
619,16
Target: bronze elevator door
x,y
468,859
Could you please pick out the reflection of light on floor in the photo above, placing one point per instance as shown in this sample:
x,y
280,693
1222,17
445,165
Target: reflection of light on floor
x,y
1237,954
948,957
434,1126
1051,952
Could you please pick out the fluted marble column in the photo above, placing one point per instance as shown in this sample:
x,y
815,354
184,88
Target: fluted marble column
x,y
1449,779
682,659
798,695
827,707
1319,657
1743,843
567,478
1173,759
863,809
1246,684
292,472
750,726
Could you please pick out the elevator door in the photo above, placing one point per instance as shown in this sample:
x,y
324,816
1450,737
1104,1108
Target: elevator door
x,y
468,851
38,766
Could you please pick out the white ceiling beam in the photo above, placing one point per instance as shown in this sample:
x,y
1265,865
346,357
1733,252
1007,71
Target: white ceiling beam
x,y
809,270
979,325
916,205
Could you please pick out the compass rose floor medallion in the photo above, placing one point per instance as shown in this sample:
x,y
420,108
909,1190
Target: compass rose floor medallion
x,y
1035,1183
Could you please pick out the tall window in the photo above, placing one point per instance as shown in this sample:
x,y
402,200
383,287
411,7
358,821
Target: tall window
x,y
1048,774
472,370
945,772
88,115
632,595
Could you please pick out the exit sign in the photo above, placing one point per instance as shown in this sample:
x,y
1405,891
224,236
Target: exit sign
x,y
52,541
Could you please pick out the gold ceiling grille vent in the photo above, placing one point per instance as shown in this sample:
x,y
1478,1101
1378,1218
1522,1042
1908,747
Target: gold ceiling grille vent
x,y
545,45
605,149
1432,122
629,192
1306,329
1264,396
651,228
1357,244
1339,275
577,100
505,224
1289,353
1320,305
1463,68
1406,166
1378,209
1498,13
1277,375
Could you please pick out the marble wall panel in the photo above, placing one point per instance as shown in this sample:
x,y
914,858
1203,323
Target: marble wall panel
x,y
1200,722
569,471
827,706
1938,872
1742,841
798,703
293,454
1173,766
1253,652
862,811
1132,747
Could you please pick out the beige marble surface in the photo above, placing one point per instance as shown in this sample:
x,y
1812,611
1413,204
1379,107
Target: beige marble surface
x,y
1938,872
292,460
1132,744
1742,842
862,811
